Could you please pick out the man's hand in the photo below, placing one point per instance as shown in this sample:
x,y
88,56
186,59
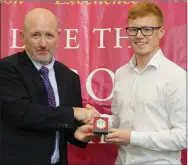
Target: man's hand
x,y
95,113
84,133
118,136
82,114
86,115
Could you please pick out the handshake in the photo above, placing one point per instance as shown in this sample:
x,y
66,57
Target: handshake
x,y
85,115
85,132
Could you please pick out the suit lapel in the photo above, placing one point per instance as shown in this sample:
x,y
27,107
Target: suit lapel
x,y
61,82
32,73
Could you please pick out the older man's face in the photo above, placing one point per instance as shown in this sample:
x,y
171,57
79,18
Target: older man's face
x,y
40,37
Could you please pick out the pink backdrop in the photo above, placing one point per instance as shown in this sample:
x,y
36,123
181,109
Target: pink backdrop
x,y
94,44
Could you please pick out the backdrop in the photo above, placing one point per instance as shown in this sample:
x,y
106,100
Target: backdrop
x,y
94,44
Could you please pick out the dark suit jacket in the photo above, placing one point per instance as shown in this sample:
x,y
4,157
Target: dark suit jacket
x,y
28,125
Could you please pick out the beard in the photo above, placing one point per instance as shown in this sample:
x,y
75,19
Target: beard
x,y
43,59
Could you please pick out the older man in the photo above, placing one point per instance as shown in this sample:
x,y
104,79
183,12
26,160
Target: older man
x,y
40,99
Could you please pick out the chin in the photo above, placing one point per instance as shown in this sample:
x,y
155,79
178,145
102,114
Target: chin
x,y
142,52
43,60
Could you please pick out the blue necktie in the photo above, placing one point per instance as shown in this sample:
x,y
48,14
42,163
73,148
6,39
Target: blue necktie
x,y
51,97
51,101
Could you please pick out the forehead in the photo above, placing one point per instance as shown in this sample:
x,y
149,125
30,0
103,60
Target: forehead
x,y
41,30
41,26
144,21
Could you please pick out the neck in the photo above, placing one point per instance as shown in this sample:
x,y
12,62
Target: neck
x,y
43,63
142,60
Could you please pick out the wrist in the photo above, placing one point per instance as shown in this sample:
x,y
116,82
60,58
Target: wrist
x,y
129,137
76,112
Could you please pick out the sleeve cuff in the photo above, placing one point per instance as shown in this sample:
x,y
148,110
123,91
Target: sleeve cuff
x,y
138,138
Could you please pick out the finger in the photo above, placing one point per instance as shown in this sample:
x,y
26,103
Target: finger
x,y
88,106
90,122
111,135
86,128
112,140
95,110
90,134
112,130
96,113
89,115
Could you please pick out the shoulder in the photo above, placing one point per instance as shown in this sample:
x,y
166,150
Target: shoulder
x,y
66,70
11,62
172,75
121,71
11,59
171,70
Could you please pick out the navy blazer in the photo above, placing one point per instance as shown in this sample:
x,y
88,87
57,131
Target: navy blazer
x,y
27,123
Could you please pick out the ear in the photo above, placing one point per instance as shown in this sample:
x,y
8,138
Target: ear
x,y
59,31
22,34
161,32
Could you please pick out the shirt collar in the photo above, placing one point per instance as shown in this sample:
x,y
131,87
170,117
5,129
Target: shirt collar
x,y
155,61
39,65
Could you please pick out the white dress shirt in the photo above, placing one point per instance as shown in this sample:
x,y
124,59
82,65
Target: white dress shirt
x,y
152,104
55,157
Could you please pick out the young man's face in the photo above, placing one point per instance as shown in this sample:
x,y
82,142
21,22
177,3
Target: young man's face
x,y
147,43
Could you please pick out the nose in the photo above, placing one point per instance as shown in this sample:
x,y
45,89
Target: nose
x,y
139,34
43,43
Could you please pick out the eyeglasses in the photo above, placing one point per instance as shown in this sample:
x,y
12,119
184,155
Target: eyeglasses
x,y
146,30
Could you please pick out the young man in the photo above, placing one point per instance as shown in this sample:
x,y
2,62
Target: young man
x,y
149,101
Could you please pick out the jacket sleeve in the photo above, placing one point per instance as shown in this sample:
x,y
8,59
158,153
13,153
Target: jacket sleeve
x,y
17,109
78,103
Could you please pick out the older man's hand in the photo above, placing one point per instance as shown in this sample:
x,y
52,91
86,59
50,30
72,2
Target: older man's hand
x,y
85,133
86,115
